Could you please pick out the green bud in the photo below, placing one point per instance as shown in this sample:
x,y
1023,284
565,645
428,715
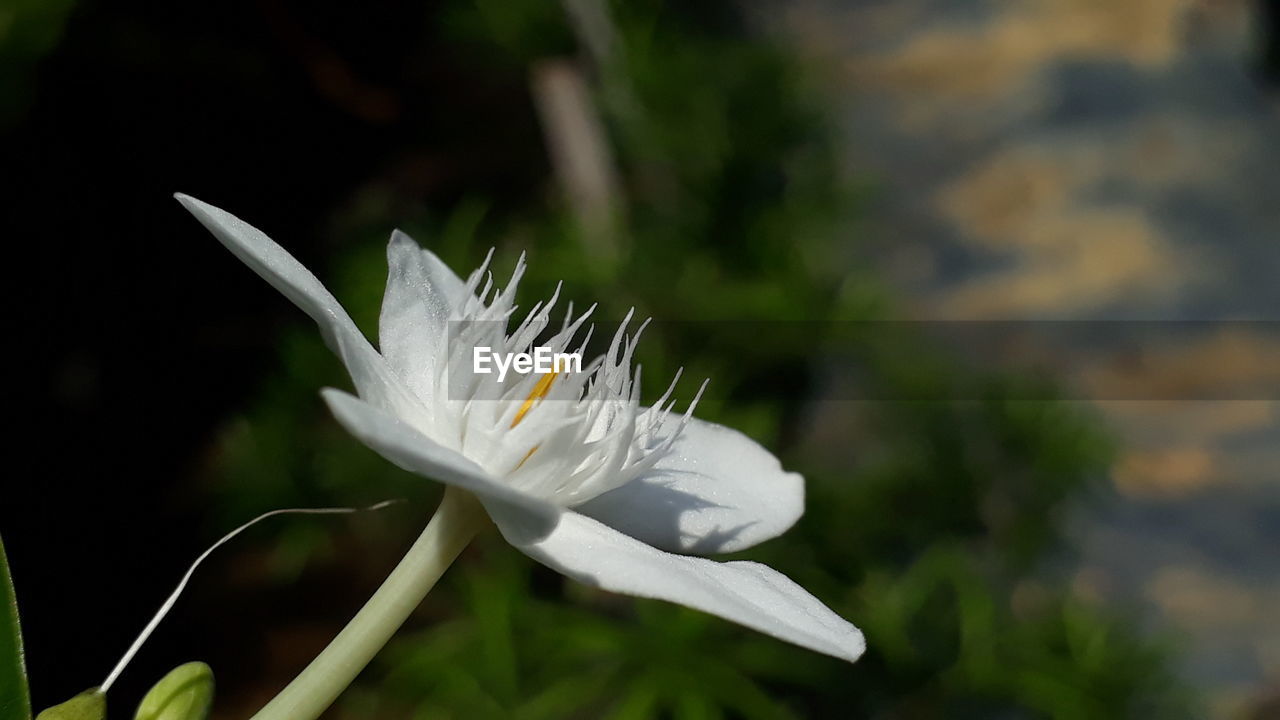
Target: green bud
x,y
186,693
88,705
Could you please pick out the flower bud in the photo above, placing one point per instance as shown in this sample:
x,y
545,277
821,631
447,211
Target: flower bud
x,y
88,705
186,693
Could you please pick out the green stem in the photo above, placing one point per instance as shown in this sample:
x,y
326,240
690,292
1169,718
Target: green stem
x,y
456,521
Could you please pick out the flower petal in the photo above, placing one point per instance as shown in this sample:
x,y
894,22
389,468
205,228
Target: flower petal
x,y
409,449
373,378
747,593
716,491
413,327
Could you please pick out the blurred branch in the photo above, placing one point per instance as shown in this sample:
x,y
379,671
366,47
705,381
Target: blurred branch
x,y
580,155
594,28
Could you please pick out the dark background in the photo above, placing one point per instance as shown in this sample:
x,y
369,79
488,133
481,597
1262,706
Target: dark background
x,y
133,333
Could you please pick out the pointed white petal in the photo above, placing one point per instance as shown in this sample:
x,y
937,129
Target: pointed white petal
x,y
413,328
373,379
409,449
442,277
716,491
747,593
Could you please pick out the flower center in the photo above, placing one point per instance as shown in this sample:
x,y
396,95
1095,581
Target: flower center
x,y
590,436
539,391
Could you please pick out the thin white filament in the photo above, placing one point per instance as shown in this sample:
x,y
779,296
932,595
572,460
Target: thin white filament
x,y
173,598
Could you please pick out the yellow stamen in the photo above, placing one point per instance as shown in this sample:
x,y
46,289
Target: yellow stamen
x,y
539,391
526,457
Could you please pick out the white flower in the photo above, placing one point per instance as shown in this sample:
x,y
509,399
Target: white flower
x,y
594,485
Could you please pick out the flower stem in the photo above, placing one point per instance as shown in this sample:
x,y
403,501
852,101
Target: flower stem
x,y
456,521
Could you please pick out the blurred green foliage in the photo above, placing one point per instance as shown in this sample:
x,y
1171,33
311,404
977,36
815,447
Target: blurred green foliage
x,y
28,30
929,524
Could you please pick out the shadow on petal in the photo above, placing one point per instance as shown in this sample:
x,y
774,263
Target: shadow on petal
x,y
651,508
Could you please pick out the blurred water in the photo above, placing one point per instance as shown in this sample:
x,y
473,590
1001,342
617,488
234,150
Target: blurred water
x,y
1099,161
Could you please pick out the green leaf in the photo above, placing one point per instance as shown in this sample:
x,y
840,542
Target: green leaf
x,y
15,702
